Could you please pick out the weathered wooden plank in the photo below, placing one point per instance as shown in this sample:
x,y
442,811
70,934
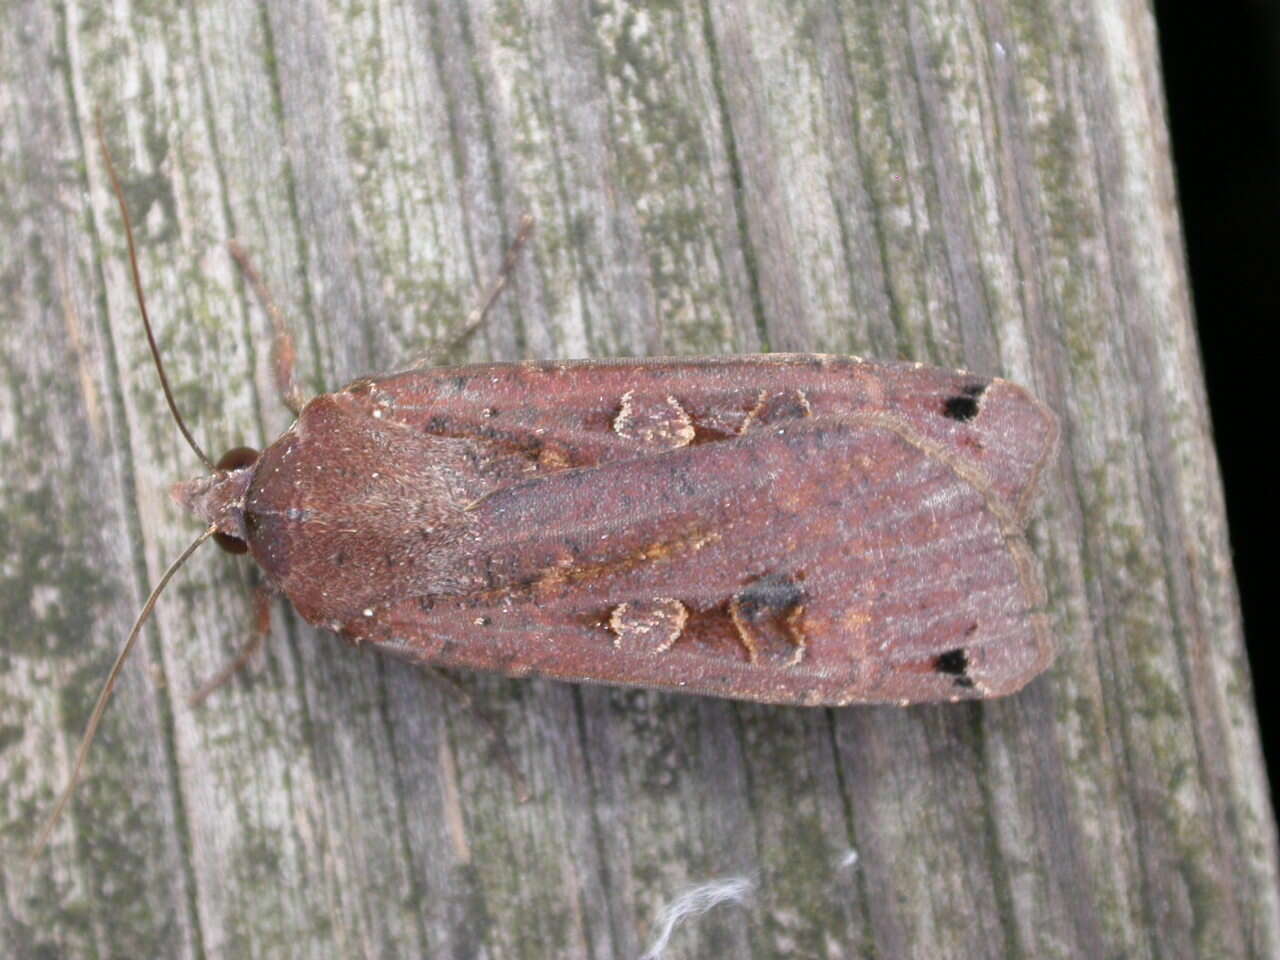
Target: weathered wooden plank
x,y
973,184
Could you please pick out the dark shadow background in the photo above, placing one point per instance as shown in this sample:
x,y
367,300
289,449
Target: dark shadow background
x,y
1222,84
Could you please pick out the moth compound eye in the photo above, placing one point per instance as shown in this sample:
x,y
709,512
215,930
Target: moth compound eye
x,y
237,458
230,544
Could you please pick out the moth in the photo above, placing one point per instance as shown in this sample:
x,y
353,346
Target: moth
x,y
793,529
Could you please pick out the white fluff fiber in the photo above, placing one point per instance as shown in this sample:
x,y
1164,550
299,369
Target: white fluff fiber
x,y
694,902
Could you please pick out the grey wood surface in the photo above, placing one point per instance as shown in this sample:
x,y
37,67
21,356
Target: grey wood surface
x,y
981,184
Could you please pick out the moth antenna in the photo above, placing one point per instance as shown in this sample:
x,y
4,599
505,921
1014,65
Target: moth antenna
x,y
91,730
477,317
137,289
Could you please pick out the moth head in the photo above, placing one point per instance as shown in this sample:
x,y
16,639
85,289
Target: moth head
x,y
218,498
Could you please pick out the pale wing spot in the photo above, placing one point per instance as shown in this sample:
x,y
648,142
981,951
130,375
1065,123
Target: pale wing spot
x,y
744,632
652,625
767,616
784,405
795,631
655,422
754,413
552,457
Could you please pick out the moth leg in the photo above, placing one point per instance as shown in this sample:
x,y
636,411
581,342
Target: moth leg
x,y
283,352
476,319
505,760
261,627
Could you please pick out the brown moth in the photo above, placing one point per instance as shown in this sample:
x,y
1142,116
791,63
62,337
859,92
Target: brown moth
x,y
794,529
784,528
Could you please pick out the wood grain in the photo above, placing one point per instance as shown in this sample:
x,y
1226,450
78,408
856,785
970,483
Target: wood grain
x,y
978,184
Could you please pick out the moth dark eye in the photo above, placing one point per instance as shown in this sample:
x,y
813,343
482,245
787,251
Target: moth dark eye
x,y
230,544
237,457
